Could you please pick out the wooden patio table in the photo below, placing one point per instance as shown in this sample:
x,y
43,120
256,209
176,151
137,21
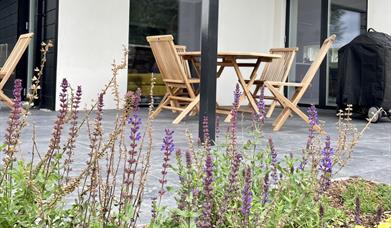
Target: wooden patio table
x,y
236,60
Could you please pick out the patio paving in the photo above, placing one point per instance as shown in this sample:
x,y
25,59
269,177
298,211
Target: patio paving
x,y
371,158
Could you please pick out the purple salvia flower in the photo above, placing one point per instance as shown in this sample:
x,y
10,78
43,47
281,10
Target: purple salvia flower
x,y
303,163
167,148
136,97
154,209
135,136
96,136
233,187
233,175
205,220
265,192
234,120
314,120
98,123
273,155
247,196
12,131
357,211
55,140
189,160
261,106
58,125
73,133
326,164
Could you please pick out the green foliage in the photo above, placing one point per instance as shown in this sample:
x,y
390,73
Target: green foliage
x,y
371,196
292,200
21,199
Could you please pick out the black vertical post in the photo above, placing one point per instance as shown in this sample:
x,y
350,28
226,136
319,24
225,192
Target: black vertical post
x,y
209,25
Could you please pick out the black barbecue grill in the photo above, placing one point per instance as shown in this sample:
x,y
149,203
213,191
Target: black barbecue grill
x,y
364,74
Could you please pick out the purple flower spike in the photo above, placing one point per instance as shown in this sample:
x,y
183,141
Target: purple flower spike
x,y
233,124
167,148
206,220
136,97
58,126
235,107
357,211
314,120
273,155
260,116
135,136
189,160
247,196
265,193
326,164
12,134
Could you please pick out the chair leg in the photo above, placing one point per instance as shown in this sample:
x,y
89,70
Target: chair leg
x,y
187,110
160,107
257,87
7,101
279,122
271,109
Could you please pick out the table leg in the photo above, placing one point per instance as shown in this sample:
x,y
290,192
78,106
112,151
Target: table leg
x,y
246,87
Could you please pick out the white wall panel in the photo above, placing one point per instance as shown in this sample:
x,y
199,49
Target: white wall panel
x,y
248,25
90,36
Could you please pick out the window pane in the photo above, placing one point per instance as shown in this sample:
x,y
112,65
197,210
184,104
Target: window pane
x,y
180,18
305,34
347,19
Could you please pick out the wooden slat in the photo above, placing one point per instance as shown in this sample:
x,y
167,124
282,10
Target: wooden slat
x,y
173,108
233,54
10,64
181,98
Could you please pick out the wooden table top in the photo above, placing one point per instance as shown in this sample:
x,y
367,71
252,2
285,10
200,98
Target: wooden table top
x,y
233,54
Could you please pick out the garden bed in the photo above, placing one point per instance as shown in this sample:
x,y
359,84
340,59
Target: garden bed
x,y
374,198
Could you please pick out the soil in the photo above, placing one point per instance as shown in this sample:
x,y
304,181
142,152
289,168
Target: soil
x,y
335,197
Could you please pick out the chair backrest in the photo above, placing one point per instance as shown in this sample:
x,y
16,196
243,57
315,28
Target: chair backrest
x,y
168,61
318,60
13,59
278,69
185,63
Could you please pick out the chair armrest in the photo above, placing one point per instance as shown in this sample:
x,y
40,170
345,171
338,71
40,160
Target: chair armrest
x,y
194,80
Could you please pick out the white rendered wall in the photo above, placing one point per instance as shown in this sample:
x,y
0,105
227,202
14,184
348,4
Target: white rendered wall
x,y
379,15
251,25
91,34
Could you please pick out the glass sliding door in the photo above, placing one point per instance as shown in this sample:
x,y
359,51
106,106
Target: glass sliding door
x,y
347,19
304,33
180,18
309,20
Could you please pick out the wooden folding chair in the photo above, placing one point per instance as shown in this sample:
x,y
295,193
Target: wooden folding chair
x,y
175,76
275,71
11,63
290,105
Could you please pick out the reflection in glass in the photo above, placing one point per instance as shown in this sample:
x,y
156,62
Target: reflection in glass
x,y
347,20
180,18
305,34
